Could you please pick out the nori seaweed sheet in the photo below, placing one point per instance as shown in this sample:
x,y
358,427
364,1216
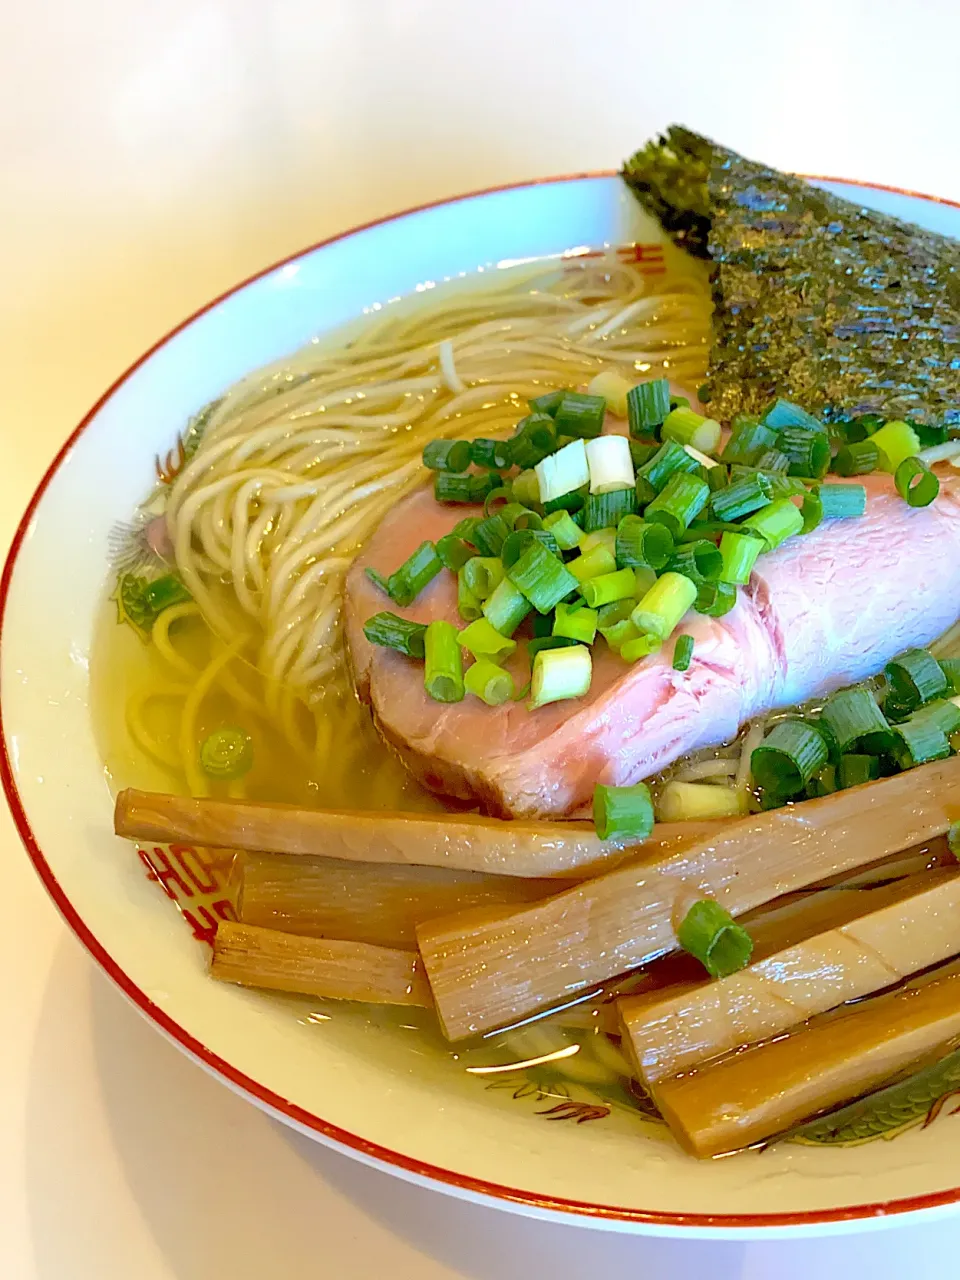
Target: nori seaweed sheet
x,y
837,308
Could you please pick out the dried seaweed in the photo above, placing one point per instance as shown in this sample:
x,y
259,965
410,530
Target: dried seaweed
x,y
842,310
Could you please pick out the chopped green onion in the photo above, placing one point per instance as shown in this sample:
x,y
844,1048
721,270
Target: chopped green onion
x,y
791,753
916,483
951,669
572,502
808,451
748,439
526,488
447,455
679,502
699,561
641,544
517,542
641,452
542,623
698,801
576,623
443,666
782,413
823,783
647,406
855,721
564,528
163,592
710,934
453,551
811,510
609,615
842,501
483,574
606,538
689,428
541,577
516,516
920,740
773,460
488,682
857,459
562,472
714,599
549,402
606,510
943,713
535,437
664,605
611,466
506,608
739,552
592,564
916,677
396,633
776,522
609,587
227,753
449,487
580,415
559,674
741,498
617,634
489,534
682,653
465,528
502,495
496,455
613,389
669,459
855,770
408,581
718,477
633,648
468,606
484,641
895,442
539,643
623,813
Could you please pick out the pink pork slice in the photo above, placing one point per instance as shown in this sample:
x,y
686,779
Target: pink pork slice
x,y
823,611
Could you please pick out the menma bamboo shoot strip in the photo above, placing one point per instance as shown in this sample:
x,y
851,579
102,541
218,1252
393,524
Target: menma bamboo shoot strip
x,y
489,968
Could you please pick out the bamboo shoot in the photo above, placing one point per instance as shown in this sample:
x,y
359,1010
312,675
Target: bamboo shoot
x,y
256,957
489,968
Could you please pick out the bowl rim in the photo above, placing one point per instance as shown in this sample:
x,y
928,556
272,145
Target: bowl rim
x,y
350,1143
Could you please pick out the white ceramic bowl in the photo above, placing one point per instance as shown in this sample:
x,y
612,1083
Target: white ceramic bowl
x,y
357,1088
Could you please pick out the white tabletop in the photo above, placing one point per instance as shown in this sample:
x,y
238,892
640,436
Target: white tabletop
x,y
150,156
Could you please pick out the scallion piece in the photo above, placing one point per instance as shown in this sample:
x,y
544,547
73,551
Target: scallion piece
x,y
526,487
497,501
447,455
449,487
227,753
488,682
773,460
506,608
580,415
516,516
718,477
606,510
689,428
489,535
592,564
842,501
639,544
669,458
679,503
855,721
915,678
711,935
576,623
611,466
559,674
517,542
564,528
483,640
562,472
823,783
682,653
855,770
496,455
714,599
464,528
941,712
641,452
664,605
783,413
483,574
857,459
408,581
617,634
748,439
951,669
163,592
393,632
535,437
613,388
699,561
453,551
609,615
633,648
811,510
739,552
541,577
647,406
791,753
609,587
916,483
606,538
623,813
919,740
539,643
776,522
468,606
572,502
808,451
549,402
443,663
895,441
743,497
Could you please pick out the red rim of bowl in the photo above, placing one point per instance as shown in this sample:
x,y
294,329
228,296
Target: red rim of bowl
x,y
284,1108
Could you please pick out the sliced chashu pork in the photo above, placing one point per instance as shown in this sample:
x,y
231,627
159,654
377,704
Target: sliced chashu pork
x,y
821,612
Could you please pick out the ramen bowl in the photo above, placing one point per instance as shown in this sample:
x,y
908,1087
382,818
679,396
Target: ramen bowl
x,y
373,1088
